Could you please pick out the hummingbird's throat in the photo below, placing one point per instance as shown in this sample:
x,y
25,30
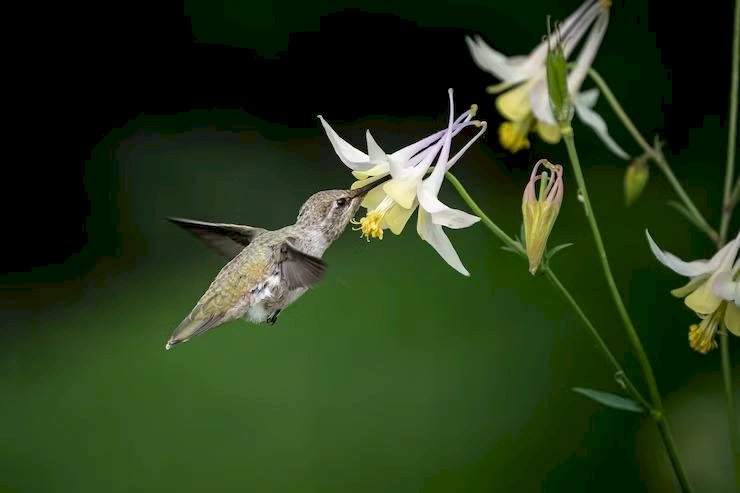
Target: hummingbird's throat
x,y
372,224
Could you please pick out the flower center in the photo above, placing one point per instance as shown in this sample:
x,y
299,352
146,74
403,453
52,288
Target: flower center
x,y
371,225
701,337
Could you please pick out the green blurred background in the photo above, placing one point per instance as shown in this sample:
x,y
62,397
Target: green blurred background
x,y
396,373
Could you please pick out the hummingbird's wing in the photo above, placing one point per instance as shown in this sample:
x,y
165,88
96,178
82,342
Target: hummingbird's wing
x,y
299,269
226,239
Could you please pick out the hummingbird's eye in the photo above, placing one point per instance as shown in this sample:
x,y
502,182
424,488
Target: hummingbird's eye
x,y
341,202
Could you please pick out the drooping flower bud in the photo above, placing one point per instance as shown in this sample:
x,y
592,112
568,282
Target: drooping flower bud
x,y
635,179
557,80
540,210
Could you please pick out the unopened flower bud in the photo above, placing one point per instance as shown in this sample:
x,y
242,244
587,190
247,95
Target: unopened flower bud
x,y
557,81
635,179
540,210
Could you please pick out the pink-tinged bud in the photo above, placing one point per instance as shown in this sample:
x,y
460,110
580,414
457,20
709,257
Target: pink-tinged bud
x,y
540,207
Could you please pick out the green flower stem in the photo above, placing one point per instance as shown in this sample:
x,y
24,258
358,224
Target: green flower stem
x,y
658,412
656,156
727,204
517,247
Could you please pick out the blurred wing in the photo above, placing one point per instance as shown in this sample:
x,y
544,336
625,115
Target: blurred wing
x,y
226,239
299,269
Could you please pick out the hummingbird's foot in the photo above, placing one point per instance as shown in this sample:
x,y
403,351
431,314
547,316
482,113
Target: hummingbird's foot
x,y
273,317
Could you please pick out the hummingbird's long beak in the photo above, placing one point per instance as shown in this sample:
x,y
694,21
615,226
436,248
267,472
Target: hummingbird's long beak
x,y
362,191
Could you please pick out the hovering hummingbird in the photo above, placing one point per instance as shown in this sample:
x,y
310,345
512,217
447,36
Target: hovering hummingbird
x,y
267,270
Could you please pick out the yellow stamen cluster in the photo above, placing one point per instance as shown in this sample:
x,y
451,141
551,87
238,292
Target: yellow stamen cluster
x,y
701,336
513,137
370,225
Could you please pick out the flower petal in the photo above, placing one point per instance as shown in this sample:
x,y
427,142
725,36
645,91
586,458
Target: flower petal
x,y
725,288
688,269
435,236
732,319
375,153
689,287
514,104
725,256
351,157
402,190
397,217
373,198
593,120
548,133
588,52
440,213
539,101
703,300
589,97
494,62
375,172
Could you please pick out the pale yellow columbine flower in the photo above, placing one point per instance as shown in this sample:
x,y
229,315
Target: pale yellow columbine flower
x,y
712,291
524,101
391,204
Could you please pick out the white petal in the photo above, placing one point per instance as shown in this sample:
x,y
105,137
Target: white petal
x,y
493,62
725,288
351,157
589,97
375,153
539,100
593,120
688,269
588,53
405,154
435,236
725,256
441,214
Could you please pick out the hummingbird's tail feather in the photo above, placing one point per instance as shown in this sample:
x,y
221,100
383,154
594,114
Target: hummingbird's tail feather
x,y
190,328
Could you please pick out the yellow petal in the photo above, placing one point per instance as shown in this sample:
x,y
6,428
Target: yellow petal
x,y
366,181
689,287
732,318
513,136
514,104
373,198
548,133
375,171
402,190
703,300
397,217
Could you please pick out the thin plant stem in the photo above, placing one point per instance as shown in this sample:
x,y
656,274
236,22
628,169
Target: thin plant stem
x,y
659,415
727,204
729,200
655,155
518,249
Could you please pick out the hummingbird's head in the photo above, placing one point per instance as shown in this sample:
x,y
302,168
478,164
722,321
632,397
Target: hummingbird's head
x,y
331,210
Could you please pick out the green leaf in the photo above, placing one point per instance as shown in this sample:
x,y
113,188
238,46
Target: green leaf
x,y
557,249
610,400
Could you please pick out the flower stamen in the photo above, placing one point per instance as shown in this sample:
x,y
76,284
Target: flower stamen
x,y
371,226
702,336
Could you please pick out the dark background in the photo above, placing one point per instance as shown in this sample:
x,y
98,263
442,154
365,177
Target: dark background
x,y
120,115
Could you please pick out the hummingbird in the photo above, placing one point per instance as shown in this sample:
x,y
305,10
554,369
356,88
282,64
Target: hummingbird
x,y
266,270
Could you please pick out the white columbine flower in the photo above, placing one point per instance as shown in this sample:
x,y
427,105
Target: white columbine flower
x,y
712,291
391,204
526,104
